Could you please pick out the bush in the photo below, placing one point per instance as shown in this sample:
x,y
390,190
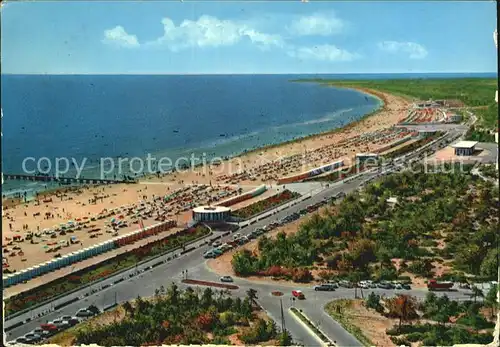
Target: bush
x,y
373,302
414,337
302,276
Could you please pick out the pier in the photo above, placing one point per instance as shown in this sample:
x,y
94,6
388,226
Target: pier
x,y
64,180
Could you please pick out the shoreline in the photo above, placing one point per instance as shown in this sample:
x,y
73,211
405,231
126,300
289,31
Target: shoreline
x,y
199,186
11,200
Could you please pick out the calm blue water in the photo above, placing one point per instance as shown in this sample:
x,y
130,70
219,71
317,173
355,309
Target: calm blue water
x,y
109,116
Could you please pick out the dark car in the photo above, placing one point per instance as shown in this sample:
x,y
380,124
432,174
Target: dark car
x,y
325,287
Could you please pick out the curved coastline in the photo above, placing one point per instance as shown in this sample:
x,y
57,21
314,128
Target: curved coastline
x,y
367,92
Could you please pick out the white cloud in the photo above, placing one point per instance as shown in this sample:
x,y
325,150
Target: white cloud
x,y
321,24
328,53
118,36
414,50
209,31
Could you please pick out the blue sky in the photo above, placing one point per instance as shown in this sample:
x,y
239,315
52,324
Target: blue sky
x,y
248,37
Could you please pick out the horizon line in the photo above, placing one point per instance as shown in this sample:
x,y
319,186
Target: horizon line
x,y
249,73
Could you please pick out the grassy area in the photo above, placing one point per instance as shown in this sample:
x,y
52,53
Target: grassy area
x,y
101,270
478,93
338,311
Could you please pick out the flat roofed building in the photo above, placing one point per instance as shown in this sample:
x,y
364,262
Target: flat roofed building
x,y
367,158
464,148
211,214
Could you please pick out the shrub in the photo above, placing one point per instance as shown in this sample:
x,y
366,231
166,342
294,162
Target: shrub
x,y
414,337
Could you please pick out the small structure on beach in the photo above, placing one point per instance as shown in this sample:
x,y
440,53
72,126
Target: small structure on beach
x,y
464,148
367,158
211,214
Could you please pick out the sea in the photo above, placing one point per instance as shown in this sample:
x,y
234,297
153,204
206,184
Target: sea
x,y
92,117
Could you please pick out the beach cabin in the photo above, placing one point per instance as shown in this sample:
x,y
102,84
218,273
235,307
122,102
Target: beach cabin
x,y
36,270
64,260
44,268
8,280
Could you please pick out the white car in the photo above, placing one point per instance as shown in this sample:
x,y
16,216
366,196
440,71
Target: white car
x,y
226,279
216,244
236,236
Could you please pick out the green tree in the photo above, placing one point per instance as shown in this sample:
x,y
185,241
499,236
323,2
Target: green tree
x,y
285,339
476,293
491,299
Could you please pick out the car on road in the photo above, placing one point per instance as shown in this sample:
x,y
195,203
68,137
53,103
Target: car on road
x,y
225,247
226,279
71,320
385,285
31,337
41,332
83,312
22,340
216,244
340,195
252,236
209,255
298,294
324,287
60,323
49,327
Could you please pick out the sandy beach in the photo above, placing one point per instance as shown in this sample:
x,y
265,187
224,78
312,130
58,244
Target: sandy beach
x,y
204,184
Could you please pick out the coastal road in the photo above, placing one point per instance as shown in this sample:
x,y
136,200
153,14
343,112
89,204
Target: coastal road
x,y
145,283
161,275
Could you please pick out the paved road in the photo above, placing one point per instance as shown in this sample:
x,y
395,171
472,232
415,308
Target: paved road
x,y
145,283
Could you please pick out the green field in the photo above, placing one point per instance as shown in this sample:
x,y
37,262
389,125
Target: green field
x,y
478,93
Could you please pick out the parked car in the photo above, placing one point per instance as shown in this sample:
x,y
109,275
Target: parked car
x,y
60,323
83,312
406,286
22,340
209,255
333,284
216,244
385,285
41,332
32,337
49,327
324,287
298,294
226,279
